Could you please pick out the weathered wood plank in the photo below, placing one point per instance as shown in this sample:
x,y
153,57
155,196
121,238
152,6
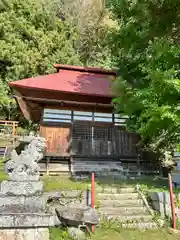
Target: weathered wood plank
x,y
57,140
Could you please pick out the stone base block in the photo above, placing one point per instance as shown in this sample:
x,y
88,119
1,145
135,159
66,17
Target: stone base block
x,y
28,188
29,220
22,203
24,234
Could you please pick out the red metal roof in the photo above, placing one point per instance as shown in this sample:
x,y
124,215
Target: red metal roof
x,y
69,79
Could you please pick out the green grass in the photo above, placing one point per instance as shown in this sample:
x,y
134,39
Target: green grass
x,y
3,175
56,183
113,231
125,234
119,234
53,183
5,141
58,234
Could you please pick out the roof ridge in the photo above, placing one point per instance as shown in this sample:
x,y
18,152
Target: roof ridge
x,y
85,69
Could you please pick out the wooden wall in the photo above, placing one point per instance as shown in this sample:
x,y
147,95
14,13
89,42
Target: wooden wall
x,y
106,141
78,139
82,137
82,147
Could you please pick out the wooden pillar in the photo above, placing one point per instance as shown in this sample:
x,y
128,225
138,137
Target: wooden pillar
x,y
5,152
13,133
47,166
139,172
92,140
139,166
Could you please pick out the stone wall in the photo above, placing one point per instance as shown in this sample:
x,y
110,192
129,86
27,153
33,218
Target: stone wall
x,y
82,166
100,168
118,169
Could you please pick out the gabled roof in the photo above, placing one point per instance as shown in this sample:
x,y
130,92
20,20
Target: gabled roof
x,y
72,79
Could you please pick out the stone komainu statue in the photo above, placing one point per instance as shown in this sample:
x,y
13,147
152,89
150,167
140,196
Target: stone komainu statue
x,y
25,166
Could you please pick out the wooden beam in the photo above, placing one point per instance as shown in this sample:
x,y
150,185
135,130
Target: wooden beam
x,y
63,101
36,110
85,69
23,105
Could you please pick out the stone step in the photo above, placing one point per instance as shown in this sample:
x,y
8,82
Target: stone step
x,y
117,196
121,203
123,210
116,190
140,225
145,217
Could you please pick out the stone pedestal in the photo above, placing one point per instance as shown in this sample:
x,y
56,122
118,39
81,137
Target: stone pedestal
x,y
23,211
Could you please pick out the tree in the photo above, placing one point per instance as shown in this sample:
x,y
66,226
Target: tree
x,y
90,19
32,38
147,53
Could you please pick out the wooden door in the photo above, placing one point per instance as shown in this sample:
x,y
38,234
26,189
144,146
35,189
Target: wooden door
x,y
57,140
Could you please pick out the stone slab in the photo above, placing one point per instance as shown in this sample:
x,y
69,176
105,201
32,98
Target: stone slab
x,y
31,202
24,234
23,177
29,188
37,203
161,203
26,220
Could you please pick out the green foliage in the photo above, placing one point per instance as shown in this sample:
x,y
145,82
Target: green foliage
x,y
89,20
32,38
38,33
147,52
